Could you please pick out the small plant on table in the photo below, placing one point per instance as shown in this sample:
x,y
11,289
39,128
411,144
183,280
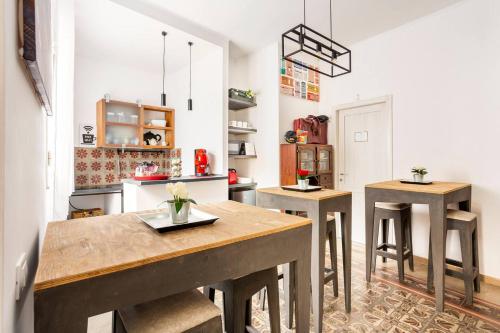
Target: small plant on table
x,y
419,173
303,178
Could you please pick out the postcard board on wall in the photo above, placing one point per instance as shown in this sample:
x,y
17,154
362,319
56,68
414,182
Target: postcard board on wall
x,y
299,81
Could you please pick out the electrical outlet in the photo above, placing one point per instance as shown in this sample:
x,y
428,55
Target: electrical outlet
x,y
21,275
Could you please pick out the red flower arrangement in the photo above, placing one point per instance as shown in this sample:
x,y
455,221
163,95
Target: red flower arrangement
x,y
302,174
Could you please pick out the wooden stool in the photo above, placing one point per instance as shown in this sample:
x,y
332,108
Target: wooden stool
x,y
189,312
238,299
401,215
466,224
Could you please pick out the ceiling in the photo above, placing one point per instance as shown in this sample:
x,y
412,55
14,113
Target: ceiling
x,y
108,31
252,24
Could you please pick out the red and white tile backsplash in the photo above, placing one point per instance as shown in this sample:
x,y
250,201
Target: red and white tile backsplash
x,y
100,166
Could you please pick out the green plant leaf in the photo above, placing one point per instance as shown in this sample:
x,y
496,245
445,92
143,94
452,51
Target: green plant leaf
x,y
178,206
192,201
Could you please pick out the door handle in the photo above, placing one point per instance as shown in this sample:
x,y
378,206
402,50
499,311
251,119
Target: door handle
x,y
343,174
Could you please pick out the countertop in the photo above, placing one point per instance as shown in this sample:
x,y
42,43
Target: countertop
x,y
184,179
98,190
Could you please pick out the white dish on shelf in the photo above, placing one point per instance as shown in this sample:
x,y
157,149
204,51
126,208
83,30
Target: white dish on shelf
x,y
159,122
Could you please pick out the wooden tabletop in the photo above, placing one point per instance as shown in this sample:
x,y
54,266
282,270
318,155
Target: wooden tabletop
x,y
434,188
316,195
84,248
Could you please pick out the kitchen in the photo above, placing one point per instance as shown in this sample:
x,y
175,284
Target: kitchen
x,y
119,84
176,107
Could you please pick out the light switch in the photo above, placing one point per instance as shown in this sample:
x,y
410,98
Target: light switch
x,y
21,275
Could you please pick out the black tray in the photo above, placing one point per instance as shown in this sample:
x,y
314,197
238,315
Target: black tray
x,y
296,188
161,221
409,181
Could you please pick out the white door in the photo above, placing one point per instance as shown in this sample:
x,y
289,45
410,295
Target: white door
x,y
364,151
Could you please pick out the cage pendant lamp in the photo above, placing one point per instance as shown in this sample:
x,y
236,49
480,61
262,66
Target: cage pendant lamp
x,y
333,59
163,95
190,101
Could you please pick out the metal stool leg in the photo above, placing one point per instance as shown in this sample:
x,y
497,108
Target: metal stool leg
x,y
385,235
477,286
468,271
398,230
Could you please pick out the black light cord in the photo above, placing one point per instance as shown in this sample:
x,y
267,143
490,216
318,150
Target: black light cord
x,y
164,37
190,46
304,12
331,24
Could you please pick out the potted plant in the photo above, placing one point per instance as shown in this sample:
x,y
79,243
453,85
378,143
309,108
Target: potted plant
x,y
179,205
418,174
303,178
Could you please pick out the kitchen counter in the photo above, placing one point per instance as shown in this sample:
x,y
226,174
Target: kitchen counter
x,y
143,195
98,190
184,179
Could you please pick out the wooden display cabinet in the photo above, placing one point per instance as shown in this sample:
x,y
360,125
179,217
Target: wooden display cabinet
x,y
122,125
317,159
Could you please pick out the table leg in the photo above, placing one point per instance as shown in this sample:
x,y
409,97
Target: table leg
x,y
288,286
437,212
54,317
346,256
369,212
302,294
318,216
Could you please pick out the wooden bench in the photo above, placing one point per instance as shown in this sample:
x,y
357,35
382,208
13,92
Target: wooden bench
x,y
189,312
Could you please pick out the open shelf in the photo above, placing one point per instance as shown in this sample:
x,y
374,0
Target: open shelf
x,y
241,156
237,104
241,130
159,128
114,123
157,147
129,131
242,185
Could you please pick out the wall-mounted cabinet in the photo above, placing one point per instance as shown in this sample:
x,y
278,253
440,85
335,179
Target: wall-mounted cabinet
x,y
315,158
124,125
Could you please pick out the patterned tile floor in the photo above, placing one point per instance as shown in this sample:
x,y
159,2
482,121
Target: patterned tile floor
x,y
384,305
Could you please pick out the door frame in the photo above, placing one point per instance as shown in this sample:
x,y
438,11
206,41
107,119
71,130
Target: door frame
x,y
387,100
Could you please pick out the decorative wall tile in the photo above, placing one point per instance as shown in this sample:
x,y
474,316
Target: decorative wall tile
x,y
103,167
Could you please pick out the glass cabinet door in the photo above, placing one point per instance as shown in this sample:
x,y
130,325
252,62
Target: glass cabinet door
x,y
307,159
325,160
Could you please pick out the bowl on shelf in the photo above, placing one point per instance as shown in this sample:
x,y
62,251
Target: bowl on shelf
x,y
159,122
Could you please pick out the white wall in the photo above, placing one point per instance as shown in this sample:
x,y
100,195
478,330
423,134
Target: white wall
x,y
24,178
204,126
200,128
259,71
96,76
443,72
292,108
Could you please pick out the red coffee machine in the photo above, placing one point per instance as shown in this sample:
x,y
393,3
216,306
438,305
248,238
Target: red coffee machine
x,y
200,162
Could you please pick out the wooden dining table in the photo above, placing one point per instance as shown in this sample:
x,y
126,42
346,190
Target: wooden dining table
x,y
437,196
317,204
94,265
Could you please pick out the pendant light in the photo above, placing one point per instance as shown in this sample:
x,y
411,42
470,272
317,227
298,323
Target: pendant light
x,y
190,101
304,41
163,95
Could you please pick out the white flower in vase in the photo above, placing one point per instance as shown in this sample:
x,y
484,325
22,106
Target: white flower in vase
x,y
179,205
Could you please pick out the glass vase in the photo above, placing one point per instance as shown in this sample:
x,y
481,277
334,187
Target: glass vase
x,y
181,216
